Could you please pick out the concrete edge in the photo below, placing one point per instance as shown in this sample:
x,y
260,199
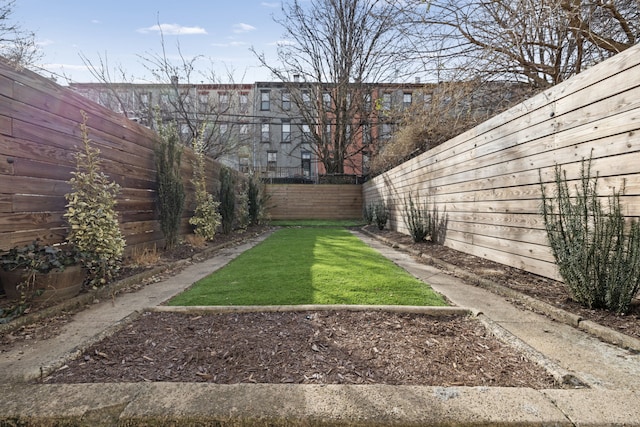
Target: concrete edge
x,y
599,331
428,310
155,404
279,404
561,375
77,351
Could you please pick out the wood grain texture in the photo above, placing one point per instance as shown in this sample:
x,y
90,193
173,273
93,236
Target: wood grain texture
x,y
39,137
487,181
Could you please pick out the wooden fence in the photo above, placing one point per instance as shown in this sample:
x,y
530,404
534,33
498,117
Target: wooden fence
x,y
488,179
307,201
39,135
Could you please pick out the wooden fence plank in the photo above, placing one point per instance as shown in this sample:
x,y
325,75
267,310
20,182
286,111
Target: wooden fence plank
x,y
487,180
39,137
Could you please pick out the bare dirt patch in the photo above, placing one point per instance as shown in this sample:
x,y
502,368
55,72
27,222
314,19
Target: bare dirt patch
x,y
326,347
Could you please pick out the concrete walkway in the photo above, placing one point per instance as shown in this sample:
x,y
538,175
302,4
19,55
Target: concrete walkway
x,y
612,374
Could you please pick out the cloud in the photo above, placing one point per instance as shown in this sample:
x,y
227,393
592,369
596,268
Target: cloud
x,y
282,43
230,44
57,66
271,5
45,42
95,21
172,30
243,28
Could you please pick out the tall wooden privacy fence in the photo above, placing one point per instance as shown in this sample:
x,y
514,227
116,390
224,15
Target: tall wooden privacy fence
x,y
487,180
39,135
306,201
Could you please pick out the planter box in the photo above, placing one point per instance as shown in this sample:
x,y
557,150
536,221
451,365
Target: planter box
x,y
56,285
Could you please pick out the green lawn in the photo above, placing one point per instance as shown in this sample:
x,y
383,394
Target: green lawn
x,y
309,266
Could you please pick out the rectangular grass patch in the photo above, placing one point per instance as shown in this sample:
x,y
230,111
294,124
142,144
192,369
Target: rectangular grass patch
x,y
310,266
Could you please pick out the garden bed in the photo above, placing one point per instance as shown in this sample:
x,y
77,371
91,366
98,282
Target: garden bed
x,y
542,288
323,347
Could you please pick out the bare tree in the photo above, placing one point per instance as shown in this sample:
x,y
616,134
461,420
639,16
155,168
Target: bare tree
x,y
17,45
442,111
337,49
542,42
219,124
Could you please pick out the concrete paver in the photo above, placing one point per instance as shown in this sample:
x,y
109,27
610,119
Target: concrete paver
x,y
613,372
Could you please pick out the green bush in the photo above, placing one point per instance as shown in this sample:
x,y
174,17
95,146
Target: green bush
x,y
598,255
91,213
380,214
227,199
171,194
417,218
256,201
206,218
367,213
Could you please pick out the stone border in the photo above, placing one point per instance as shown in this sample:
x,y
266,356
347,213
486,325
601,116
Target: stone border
x,y
599,331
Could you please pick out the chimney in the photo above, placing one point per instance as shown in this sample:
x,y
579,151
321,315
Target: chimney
x,y
296,78
417,80
174,80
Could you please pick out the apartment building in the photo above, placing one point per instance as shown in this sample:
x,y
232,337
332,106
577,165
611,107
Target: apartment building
x,y
292,131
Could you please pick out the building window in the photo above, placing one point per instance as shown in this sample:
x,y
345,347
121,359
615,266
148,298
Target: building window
x,y
224,127
223,100
244,164
306,99
265,103
406,99
286,131
386,101
326,100
367,102
244,129
366,161
145,100
244,102
366,134
306,163
164,100
265,132
286,101
306,134
272,160
386,131
327,133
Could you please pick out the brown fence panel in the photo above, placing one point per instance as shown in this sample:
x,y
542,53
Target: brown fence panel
x,y
488,179
305,201
39,135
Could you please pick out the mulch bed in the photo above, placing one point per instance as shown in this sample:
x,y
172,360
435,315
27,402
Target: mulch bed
x,y
305,348
542,288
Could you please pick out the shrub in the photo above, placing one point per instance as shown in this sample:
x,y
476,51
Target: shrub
x,y
243,207
227,199
170,188
256,201
380,214
598,255
417,218
91,213
367,213
206,218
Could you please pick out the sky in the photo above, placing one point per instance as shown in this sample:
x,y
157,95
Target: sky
x,y
121,31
